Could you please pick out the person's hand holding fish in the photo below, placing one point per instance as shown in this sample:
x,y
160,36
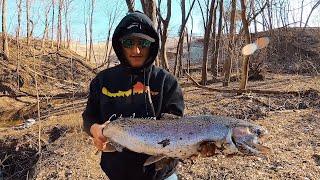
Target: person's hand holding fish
x,y
99,139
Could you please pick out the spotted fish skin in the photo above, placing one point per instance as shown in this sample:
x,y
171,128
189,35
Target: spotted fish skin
x,y
181,138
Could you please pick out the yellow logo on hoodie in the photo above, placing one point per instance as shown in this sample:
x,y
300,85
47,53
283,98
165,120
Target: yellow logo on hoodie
x,y
138,88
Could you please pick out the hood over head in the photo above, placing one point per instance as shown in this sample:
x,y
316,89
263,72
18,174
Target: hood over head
x,y
135,24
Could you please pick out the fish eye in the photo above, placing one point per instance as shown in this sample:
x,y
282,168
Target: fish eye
x,y
259,132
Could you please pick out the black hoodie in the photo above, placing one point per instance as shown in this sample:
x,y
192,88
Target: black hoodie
x,y
122,91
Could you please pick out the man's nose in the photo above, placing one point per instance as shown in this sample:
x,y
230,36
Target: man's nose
x,y
136,49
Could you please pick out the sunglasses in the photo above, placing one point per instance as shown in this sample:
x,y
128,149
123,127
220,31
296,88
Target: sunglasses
x,y
129,43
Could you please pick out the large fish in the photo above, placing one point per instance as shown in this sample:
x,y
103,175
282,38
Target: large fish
x,y
182,138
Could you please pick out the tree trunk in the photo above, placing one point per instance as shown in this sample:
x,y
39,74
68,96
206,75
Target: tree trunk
x,y
164,36
254,18
111,20
208,27
312,9
189,42
86,27
149,8
228,62
28,22
46,28
163,51
19,4
67,37
214,61
91,31
5,46
181,36
179,67
179,53
107,47
270,15
52,23
245,61
130,4
59,32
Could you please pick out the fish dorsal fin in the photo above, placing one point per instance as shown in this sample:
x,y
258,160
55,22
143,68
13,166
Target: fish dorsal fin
x,y
153,159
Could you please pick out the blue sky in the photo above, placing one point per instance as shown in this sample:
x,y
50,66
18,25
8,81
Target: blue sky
x,y
102,11
103,8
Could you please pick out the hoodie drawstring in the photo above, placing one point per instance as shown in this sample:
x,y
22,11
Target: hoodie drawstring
x,y
144,91
131,82
148,100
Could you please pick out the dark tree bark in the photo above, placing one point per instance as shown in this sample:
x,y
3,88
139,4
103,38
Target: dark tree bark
x,y
228,63
52,23
5,46
130,4
245,61
59,32
91,31
46,28
177,65
28,22
214,60
164,35
149,8
207,32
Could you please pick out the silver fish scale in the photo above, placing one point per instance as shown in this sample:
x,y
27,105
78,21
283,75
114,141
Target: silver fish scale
x,y
175,138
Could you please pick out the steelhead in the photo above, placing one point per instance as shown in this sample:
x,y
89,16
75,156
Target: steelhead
x,y
182,138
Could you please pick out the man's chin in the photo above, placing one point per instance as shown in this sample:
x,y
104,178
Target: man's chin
x,y
136,64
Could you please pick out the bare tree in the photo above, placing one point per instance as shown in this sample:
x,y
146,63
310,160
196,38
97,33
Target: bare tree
x,y
28,22
178,62
208,26
214,60
245,61
52,23
130,4
59,31
253,8
19,4
111,16
270,14
301,13
312,9
189,42
46,28
86,27
91,31
149,8
164,34
228,63
5,46
67,33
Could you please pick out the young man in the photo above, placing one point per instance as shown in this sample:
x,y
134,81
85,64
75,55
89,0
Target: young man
x,y
135,88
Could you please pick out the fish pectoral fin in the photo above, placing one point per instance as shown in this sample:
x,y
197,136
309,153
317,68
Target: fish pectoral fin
x,y
113,147
153,159
163,163
109,148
